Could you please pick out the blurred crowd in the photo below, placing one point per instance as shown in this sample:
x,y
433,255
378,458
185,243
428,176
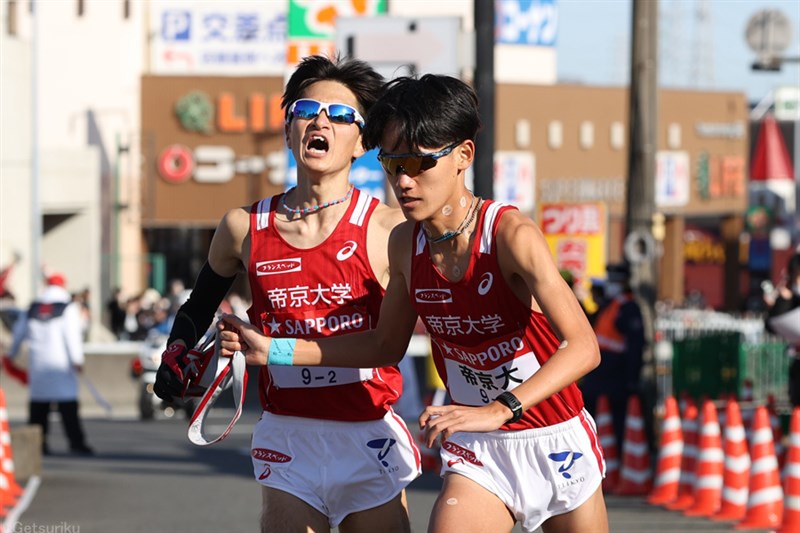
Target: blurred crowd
x,y
134,317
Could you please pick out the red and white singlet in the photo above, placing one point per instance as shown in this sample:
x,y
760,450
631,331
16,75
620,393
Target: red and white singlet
x,y
483,339
323,291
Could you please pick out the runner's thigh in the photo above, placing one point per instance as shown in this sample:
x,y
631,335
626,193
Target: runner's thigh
x,y
590,516
391,517
283,513
467,507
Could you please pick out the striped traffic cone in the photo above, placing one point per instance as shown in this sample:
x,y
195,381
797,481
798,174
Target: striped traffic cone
x,y
635,476
605,433
791,478
736,477
685,497
709,468
668,471
6,459
765,502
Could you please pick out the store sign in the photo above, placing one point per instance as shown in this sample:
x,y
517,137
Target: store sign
x,y
526,22
207,164
220,38
227,113
721,130
720,176
312,24
702,247
576,236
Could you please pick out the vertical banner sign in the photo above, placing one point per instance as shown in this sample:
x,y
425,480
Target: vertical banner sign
x,y
312,24
515,179
576,235
672,178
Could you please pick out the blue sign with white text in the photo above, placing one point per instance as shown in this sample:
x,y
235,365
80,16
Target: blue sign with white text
x,y
528,22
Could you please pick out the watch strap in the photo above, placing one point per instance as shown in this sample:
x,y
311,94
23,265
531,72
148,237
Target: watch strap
x,y
511,401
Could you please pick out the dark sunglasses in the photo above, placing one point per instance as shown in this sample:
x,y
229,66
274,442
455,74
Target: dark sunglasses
x,y
308,109
412,164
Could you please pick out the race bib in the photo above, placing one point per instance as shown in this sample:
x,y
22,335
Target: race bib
x,y
476,375
317,376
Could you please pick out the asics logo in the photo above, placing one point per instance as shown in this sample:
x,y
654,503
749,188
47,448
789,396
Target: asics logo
x,y
486,283
567,459
433,296
383,446
347,250
278,266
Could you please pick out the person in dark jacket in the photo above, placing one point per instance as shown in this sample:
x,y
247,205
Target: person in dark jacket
x,y
620,334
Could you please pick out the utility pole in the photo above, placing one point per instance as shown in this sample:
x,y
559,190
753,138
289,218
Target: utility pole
x,y
640,245
484,86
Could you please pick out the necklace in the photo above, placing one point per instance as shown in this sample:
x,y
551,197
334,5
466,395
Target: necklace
x,y
313,208
467,222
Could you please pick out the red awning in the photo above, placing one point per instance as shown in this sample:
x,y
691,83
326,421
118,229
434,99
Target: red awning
x,y
771,158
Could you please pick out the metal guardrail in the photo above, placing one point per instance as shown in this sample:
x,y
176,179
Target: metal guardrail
x,y
753,365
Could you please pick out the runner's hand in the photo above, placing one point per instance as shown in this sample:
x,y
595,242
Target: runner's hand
x,y
170,377
445,420
236,335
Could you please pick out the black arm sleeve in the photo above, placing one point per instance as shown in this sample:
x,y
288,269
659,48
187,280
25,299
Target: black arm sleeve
x,y
195,316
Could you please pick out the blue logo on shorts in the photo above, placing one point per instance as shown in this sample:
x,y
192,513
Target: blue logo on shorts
x,y
568,459
383,445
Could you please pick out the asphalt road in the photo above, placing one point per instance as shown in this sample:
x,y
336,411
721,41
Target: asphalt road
x,y
146,476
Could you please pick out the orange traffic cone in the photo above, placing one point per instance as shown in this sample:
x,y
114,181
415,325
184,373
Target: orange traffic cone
x,y
6,459
668,471
708,469
765,502
605,433
736,477
685,497
635,476
791,478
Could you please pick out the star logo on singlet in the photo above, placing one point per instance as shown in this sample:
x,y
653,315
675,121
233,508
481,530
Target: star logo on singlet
x,y
274,326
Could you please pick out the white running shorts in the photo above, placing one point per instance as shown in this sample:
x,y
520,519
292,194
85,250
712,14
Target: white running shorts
x,y
536,473
337,467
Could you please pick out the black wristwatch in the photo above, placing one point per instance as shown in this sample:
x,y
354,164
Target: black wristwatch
x,y
511,401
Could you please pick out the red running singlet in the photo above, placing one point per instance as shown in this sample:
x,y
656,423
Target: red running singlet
x,y
484,340
323,291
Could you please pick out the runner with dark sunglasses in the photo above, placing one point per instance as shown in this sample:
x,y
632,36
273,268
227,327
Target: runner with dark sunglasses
x,y
329,451
509,339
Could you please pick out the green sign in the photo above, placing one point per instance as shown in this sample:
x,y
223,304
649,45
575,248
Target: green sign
x,y
316,19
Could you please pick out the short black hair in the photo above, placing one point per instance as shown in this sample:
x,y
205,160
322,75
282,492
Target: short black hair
x,y
356,75
431,111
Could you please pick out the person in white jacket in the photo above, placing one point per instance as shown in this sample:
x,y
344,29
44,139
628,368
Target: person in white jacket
x,y
52,330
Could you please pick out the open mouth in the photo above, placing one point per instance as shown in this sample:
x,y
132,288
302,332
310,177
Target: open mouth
x,y
318,144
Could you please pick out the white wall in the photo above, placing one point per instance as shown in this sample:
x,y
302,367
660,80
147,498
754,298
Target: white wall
x,y
15,158
93,62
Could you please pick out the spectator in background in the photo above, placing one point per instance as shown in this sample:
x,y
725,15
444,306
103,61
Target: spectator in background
x,y
785,299
116,313
82,300
52,331
620,333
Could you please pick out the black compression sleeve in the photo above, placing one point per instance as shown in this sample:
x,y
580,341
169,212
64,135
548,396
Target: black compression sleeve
x,y
195,316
